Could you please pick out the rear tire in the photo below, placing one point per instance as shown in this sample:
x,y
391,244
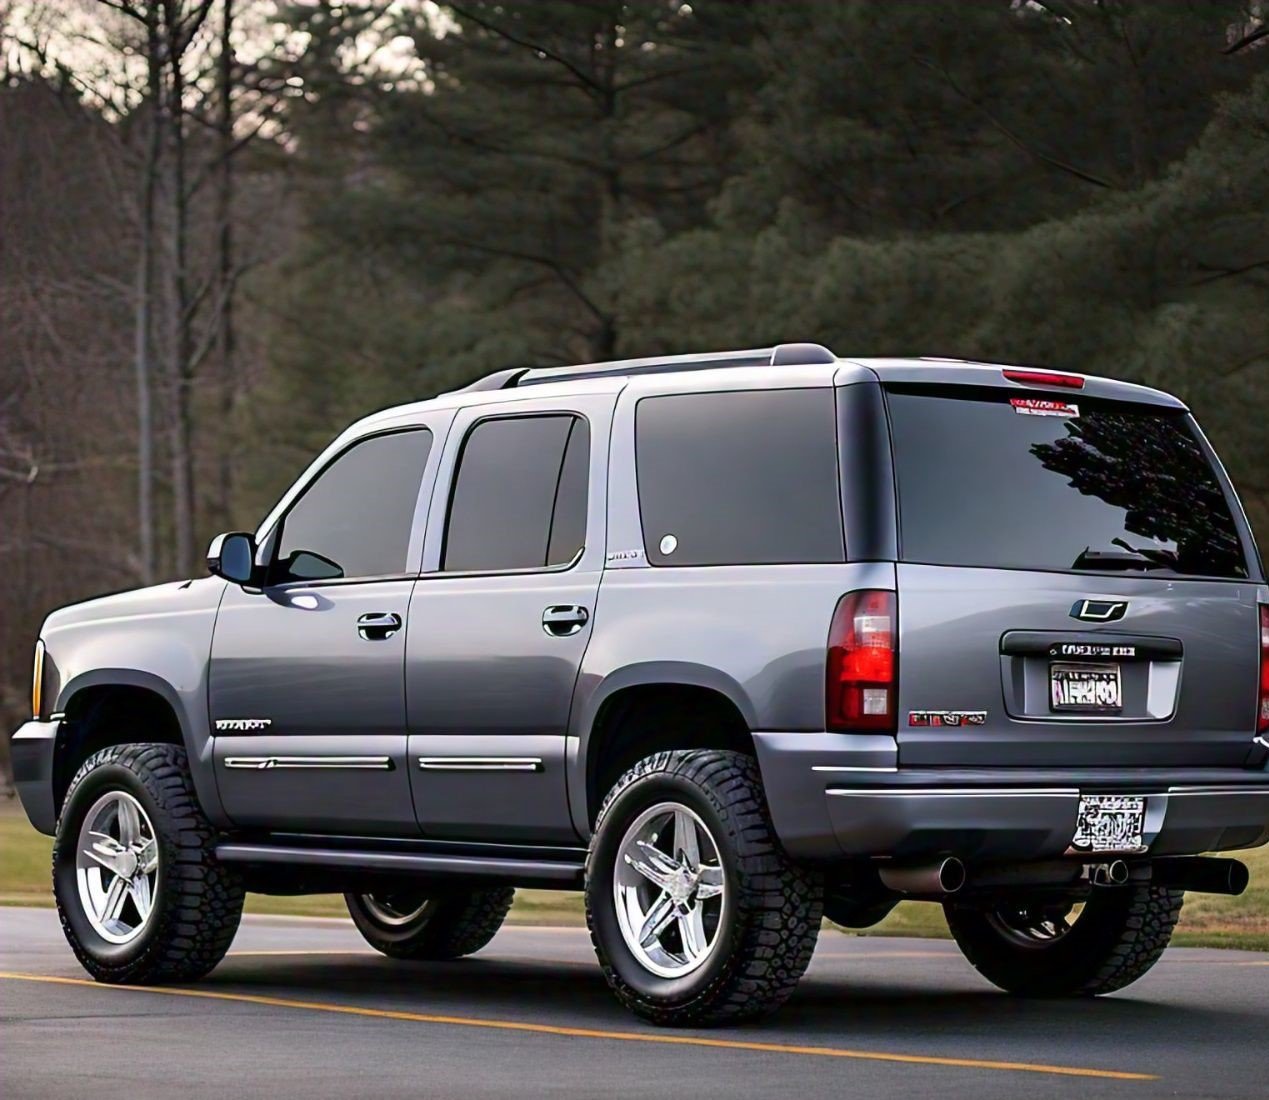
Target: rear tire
x,y
1118,937
411,924
697,915
167,911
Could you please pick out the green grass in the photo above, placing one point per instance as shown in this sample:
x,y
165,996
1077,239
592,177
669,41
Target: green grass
x,y
1208,920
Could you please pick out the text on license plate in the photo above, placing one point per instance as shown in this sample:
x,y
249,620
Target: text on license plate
x,y
1085,687
1109,823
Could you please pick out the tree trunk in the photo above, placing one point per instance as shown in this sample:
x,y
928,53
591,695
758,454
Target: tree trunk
x,y
225,278
183,342
145,289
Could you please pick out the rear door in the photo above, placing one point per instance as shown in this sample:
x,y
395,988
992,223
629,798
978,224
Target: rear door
x,y
502,615
1074,589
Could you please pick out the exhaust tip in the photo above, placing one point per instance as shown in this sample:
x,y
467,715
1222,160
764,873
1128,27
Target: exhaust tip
x,y
927,880
1117,872
1239,877
951,875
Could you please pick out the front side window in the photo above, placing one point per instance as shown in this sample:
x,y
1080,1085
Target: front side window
x,y
519,499
354,519
739,478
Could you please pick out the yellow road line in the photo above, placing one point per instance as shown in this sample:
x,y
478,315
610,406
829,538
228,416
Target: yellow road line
x,y
658,1038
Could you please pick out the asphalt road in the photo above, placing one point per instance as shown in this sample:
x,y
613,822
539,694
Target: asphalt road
x,y
301,1008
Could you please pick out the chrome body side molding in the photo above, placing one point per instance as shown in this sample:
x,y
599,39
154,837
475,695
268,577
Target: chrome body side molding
x,y
269,763
481,763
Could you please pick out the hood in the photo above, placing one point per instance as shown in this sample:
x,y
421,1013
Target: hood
x,y
172,598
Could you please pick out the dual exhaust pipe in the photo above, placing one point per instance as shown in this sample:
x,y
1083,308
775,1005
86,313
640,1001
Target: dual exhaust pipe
x,y
946,876
1200,874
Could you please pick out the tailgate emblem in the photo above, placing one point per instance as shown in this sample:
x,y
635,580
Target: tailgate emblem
x,y
1099,611
947,718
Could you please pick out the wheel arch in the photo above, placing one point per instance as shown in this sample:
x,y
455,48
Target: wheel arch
x,y
115,706
652,707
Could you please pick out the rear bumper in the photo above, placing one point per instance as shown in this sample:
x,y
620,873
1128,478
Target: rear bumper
x,y
843,795
31,750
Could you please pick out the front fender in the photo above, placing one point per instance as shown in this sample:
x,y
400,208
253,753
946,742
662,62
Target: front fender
x,y
157,639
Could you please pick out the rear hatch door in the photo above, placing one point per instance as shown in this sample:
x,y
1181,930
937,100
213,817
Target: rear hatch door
x,y
1075,588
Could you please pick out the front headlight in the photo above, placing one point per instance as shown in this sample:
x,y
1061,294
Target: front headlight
x,y
37,680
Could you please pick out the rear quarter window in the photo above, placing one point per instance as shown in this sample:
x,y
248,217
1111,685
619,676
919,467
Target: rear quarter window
x,y
739,478
986,479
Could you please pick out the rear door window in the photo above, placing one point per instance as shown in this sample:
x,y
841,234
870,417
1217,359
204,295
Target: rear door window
x,y
739,478
1009,480
519,499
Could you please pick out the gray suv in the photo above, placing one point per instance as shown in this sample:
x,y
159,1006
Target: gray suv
x,y
731,641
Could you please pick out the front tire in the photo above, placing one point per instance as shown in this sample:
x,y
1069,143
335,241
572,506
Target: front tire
x,y
1034,950
697,915
409,924
141,896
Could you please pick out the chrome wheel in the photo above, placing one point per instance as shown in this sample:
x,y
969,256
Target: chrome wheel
x,y
1035,925
117,867
670,890
395,910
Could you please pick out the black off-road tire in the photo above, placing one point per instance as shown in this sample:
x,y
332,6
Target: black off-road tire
x,y
1119,936
774,906
451,924
198,903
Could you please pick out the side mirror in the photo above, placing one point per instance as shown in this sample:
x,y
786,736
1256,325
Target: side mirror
x,y
232,556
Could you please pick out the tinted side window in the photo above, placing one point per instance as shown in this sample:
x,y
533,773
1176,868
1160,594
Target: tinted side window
x,y
744,478
568,524
358,512
519,499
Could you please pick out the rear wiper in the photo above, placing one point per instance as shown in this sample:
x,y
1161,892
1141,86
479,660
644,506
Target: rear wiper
x,y
1135,558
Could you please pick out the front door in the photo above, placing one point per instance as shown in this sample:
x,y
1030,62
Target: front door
x,y
501,618
307,689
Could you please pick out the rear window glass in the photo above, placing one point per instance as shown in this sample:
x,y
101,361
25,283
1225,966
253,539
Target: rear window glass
x,y
739,478
1031,481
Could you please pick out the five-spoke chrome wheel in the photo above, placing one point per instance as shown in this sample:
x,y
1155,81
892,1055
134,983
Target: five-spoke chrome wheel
x,y
670,890
117,867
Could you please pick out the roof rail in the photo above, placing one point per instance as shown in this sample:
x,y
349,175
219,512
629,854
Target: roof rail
x,y
782,355
499,380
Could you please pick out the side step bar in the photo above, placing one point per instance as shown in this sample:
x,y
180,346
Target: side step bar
x,y
509,870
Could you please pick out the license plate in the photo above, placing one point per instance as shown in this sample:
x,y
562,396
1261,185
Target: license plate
x,y
1090,688
1109,823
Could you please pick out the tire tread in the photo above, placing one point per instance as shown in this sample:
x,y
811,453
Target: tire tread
x,y
779,903
200,914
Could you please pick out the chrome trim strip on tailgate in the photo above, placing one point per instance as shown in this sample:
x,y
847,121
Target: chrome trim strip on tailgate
x,y
955,792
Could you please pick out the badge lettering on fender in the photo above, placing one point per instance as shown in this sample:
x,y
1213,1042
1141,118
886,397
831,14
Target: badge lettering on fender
x,y
243,725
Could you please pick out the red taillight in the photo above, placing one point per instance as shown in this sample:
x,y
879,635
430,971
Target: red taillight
x,y
862,681
1262,714
1044,378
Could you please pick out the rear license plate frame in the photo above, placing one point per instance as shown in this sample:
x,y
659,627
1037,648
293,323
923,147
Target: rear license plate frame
x,y
1104,682
1109,823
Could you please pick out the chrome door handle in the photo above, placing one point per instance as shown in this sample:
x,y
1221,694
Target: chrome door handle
x,y
378,625
564,619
